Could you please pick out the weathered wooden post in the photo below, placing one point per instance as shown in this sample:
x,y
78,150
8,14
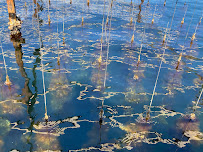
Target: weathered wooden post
x,y
14,26
11,10
14,21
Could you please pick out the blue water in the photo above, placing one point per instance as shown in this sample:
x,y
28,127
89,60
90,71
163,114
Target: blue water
x,y
76,84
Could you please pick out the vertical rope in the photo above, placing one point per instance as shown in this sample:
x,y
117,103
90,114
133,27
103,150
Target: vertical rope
x,y
48,14
138,61
63,22
107,54
189,27
158,73
199,97
107,20
43,80
102,30
5,66
155,85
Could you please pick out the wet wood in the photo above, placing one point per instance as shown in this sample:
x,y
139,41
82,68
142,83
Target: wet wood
x,y
11,10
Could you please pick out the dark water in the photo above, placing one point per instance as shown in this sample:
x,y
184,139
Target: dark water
x,y
91,106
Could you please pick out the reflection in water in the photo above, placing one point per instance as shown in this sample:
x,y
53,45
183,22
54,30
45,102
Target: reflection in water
x,y
9,92
136,76
60,89
9,107
46,142
124,126
17,40
5,128
198,81
97,135
50,130
139,16
39,8
1,144
26,93
189,125
133,94
136,132
175,83
98,75
32,103
16,108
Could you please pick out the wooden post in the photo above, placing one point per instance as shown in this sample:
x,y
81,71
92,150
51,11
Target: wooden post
x,y
14,21
11,10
